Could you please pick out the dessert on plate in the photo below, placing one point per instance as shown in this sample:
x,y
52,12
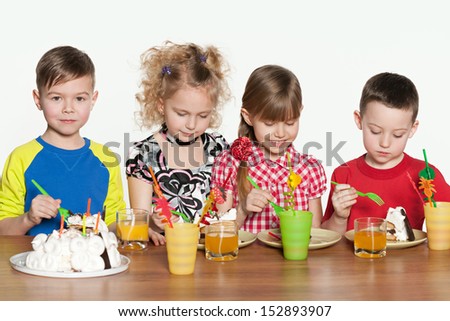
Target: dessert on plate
x,y
398,226
75,250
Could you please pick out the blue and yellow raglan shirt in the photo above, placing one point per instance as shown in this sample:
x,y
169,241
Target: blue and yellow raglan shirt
x,y
73,176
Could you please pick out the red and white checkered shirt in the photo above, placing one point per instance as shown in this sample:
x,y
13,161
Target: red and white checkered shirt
x,y
272,176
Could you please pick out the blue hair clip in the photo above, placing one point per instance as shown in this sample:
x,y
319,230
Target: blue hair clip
x,y
166,70
202,58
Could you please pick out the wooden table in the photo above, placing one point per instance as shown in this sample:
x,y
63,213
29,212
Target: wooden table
x,y
259,273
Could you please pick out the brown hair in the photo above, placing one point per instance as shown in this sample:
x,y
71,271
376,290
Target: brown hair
x,y
168,68
61,64
393,91
272,93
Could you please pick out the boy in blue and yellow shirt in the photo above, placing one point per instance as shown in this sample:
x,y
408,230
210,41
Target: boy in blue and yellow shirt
x,y
71,168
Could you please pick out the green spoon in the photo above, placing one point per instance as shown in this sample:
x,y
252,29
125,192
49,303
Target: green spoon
x,y
278,209
62,211
427,172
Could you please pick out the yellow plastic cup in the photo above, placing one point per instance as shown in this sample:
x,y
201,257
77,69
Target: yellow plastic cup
x,y
181,245
295,229
437,220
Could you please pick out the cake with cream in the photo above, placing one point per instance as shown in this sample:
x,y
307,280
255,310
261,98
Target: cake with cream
x,y
75,221
398,226
71,251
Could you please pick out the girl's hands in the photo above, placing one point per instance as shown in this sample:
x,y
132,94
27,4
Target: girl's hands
x,y
257,199
42,207
343,198
156,237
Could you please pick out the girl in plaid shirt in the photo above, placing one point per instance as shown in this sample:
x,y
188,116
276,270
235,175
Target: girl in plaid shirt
x,y
270,114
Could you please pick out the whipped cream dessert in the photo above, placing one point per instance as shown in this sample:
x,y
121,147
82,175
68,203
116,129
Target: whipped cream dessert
x,y
71,251
398,226
227,216
76,221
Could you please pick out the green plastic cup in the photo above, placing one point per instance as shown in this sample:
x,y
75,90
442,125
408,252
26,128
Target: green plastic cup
x,y
295,229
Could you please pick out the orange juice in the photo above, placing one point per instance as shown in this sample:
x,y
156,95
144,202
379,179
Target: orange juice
x,y
222,241
132,229
225,244
370,244
128,232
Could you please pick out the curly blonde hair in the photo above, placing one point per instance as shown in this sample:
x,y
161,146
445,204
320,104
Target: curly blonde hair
x,y
172,66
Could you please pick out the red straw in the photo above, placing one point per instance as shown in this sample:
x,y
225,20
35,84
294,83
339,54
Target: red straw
x,y
157,190
414,186
61,226
88,211
274,235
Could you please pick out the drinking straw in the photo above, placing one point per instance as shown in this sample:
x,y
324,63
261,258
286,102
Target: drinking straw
x,y
183,216
96,223
278,237
208,205
414,186
156,187
61,225
88,210
84,225
163,204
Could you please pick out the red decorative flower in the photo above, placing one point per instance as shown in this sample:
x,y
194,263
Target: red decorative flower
x,y
218,195
241,148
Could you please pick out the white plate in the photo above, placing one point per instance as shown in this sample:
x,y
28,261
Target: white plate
x,y
421,237
18,263
320,238
245,239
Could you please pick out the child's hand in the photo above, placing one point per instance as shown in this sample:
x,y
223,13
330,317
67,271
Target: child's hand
x,y
42,207
157,219
257,200
343,198
156,237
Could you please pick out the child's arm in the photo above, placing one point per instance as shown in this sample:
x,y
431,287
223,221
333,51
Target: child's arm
x,y
256,201
140,194
343,198
241,214
315,207
42,207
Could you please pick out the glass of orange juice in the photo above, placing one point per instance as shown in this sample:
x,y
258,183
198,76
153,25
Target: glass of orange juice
x,y
132,229
370,237
222,241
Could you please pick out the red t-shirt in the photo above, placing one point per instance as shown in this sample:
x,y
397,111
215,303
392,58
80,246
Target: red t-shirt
x,y
392,185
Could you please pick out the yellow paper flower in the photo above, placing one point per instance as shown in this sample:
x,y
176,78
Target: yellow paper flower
x,y
294,180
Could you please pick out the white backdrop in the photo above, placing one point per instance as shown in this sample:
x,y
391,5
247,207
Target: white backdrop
x,y
332,46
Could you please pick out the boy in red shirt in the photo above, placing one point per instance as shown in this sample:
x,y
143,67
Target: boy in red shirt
x,y
387,117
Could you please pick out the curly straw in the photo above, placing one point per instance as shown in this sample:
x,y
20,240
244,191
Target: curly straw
x,y
414,186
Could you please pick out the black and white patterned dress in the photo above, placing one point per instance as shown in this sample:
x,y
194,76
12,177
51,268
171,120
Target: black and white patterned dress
x,y
185,189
